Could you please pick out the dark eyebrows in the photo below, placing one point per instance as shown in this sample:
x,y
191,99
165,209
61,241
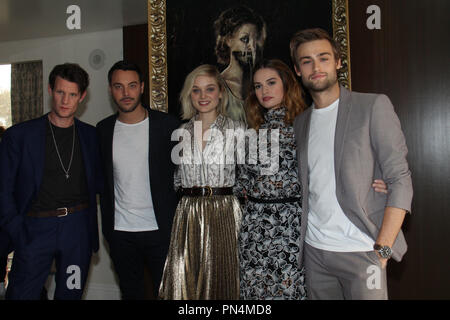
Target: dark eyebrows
x,y
267,80
121,84
319,55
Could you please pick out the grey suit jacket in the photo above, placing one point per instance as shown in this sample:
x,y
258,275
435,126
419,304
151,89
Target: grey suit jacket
x,y
369,144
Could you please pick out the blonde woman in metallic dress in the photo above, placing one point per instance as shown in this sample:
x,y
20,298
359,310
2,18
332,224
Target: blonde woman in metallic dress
x,y
202,262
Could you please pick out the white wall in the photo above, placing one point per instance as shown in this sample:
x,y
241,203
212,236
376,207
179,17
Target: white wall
x,y
77,48
102,283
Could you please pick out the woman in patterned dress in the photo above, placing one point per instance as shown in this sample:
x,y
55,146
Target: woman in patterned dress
x,y
270,229
202,261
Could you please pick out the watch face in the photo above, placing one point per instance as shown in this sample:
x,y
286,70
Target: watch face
x,y
385,252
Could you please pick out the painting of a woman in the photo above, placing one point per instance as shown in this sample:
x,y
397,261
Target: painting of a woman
x,y
240,35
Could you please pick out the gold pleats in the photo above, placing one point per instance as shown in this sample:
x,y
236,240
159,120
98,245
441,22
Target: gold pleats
x,y
202,262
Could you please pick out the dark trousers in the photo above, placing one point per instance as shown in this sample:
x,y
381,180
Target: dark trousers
x,y
131,253
63,239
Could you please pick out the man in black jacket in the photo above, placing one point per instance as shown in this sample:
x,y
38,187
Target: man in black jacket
x,y
138,202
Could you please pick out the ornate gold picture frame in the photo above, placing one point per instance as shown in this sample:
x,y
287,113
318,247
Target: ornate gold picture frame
x,y
158,49
341,35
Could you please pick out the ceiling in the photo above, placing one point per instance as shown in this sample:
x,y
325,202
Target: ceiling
x,y
25,19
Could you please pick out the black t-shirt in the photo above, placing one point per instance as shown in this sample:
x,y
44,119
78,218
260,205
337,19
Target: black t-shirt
x,y
56,191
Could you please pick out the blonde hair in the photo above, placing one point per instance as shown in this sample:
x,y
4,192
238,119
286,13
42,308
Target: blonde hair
x,y
187,109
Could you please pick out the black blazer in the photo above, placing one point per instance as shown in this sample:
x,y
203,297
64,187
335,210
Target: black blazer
x,y
161,126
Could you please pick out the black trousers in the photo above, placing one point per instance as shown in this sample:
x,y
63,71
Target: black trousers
x,y
131,253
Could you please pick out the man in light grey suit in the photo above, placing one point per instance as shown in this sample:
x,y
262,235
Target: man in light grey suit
x,y
344,142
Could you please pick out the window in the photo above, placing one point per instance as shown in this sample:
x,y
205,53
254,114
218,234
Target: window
x,y
5,95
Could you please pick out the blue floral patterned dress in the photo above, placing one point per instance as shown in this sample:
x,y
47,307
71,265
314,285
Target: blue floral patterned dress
x,y
270,232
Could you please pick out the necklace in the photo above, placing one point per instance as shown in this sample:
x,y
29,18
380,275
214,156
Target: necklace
x,y
57,151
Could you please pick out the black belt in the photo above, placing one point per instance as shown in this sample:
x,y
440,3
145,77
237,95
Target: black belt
x,y
60,212
283,200
206,191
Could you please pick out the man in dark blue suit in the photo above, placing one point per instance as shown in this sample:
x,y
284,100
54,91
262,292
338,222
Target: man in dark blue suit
x,y
50,174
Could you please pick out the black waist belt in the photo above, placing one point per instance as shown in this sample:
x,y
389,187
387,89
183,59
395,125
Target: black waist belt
x,y
60,212
206,191
282,200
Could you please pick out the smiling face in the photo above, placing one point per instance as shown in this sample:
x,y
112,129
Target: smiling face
x,y
317,65
126,90
66,97
205,94
269,88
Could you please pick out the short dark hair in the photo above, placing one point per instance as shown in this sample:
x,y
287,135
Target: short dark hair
x,y
71,72
308,35
125,66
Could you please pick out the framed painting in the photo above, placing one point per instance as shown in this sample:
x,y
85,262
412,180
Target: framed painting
x,y
185,34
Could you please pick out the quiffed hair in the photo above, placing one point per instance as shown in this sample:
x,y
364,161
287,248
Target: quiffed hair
x,y
308,35
125,66
71,72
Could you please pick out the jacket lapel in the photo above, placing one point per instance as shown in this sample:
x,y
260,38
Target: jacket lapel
x,y
37,150
108,152
344,109
153,128
304,139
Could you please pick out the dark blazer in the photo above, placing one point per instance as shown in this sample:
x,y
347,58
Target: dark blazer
x,y
369,144
22,157
161,126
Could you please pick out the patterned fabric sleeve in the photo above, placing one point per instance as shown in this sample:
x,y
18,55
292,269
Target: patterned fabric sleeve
x,y
241,182
239,189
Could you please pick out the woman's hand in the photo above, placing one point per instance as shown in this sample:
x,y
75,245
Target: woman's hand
x,y
379,186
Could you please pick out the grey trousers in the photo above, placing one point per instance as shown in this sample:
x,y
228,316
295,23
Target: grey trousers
x,y
344,275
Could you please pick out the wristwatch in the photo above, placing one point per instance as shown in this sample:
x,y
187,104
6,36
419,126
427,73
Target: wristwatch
x,y
384,251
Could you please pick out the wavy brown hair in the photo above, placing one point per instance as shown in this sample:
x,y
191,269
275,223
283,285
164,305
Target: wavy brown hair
x,y
293,99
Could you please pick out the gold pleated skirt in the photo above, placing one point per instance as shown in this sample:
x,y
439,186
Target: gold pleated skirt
x,y
202,262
